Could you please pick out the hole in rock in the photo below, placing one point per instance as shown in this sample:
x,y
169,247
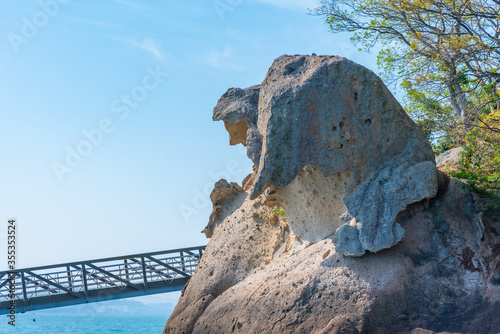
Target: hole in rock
x,y
368,121
338,145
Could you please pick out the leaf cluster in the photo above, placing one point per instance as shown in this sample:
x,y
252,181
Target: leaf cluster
x,y
445,56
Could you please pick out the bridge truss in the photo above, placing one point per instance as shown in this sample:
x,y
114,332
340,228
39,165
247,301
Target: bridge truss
x,y
97,280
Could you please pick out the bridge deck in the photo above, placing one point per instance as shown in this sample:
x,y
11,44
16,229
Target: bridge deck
x,y
97,280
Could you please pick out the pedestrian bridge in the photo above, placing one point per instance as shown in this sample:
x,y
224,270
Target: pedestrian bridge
x,y
97,280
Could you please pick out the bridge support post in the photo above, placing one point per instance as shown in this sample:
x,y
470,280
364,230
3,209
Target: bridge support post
x,y
84,274
70,280
144,274
25,295
126,269
183,267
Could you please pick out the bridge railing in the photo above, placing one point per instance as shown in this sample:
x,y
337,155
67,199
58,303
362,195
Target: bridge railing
x,y
85,279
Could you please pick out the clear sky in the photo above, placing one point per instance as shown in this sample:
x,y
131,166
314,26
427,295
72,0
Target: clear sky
x,y
107,143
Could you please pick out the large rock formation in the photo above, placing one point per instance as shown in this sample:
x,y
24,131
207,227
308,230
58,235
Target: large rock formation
x,y
352,173
369,158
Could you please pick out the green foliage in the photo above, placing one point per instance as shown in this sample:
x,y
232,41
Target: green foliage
x,y
443,144
445,56
479,166
280,212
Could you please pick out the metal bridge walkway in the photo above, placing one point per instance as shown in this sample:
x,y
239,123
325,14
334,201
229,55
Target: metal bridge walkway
x,y
97,280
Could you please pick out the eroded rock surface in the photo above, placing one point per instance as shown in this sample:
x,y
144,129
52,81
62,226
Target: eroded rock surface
x,y
337,117
449,160
352,174
246,239
434,280
222,196
442,278
238,108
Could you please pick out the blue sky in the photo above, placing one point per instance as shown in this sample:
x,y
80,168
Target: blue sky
x,y
130,87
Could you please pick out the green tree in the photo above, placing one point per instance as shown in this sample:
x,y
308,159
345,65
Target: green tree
x,y
444,54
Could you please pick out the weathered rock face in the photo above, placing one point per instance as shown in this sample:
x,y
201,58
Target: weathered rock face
x,y
352,173
442,278
223,194
313,205
245,240
439,279
449,160
337,117
238,108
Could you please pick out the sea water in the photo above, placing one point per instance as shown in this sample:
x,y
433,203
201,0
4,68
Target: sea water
x,y
51,323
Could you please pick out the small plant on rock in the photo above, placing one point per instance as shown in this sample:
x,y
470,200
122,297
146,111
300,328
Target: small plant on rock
x,y
280,212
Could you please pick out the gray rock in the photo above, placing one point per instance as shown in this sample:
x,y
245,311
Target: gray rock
x,y
346,217
238,108
338,148
347,242
337,116
441,278
495,272
237,105
254,145
449,161
222,196
376,204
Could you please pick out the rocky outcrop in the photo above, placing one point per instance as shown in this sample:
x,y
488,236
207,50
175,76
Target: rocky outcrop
x,y
375,239
337,117
223,194
439,279
449,160
246,240
442,278
238,108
